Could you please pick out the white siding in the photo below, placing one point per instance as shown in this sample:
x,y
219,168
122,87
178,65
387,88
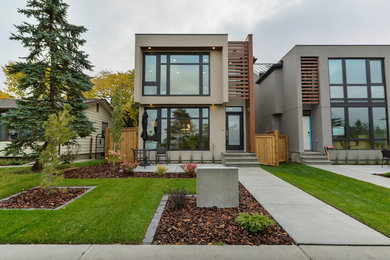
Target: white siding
x,y
96,118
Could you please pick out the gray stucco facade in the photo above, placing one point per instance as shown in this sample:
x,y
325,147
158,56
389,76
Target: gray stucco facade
x,y
278,98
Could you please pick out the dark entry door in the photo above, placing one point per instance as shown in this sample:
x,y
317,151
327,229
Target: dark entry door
x,y
234,131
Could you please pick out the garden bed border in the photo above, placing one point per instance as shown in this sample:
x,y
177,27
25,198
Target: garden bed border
x,y
90,188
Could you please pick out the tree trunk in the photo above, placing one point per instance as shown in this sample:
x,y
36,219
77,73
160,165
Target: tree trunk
x,y
37,167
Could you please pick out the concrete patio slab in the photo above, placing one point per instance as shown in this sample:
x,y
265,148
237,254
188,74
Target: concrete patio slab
x,y
360,172
346,252
38,252
172,167
307,219
192,252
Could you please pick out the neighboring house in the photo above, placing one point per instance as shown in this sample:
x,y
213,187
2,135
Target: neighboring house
x,y
98,112
328,95
197,90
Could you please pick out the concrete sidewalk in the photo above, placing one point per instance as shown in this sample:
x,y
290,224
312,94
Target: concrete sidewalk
x,y
360,172
141,252
306,219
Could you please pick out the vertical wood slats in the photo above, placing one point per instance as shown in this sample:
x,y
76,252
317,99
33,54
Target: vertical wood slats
x,y
238,69
310,80
129,139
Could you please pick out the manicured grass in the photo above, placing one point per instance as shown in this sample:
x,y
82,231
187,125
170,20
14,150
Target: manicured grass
x,y
116,211
364,201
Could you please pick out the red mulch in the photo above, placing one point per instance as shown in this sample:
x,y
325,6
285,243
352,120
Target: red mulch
x,y
206,226
101,171
381,174
38,198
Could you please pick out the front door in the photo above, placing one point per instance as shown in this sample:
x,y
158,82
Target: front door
x,y
307,133
234,129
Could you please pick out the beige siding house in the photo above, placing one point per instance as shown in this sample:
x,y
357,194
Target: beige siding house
x,y
98,112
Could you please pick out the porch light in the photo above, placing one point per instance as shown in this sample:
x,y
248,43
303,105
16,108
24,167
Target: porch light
x,y
149,48
213,48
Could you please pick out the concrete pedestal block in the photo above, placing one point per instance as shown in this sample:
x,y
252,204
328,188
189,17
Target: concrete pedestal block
x,y
217,187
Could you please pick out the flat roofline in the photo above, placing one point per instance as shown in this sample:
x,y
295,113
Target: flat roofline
x,y
217,34
330,45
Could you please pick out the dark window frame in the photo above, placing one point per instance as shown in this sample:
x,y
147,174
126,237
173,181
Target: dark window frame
x,y
368,102
168,63
157,138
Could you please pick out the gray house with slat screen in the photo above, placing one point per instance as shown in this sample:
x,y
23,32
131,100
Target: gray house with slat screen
x,y
327,95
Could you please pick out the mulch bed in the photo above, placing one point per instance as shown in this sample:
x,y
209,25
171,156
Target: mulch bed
x,y
381,174
109,171
206,226
38,198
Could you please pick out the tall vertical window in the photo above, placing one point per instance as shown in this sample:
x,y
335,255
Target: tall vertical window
x,y
358,103
176,74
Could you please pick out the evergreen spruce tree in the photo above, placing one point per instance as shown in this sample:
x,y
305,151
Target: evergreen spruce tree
x,y
53,75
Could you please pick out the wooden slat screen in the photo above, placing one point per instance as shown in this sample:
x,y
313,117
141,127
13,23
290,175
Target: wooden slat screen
x,y
310,80
238,70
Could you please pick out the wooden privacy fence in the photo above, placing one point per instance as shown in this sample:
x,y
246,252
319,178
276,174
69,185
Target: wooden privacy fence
x,y
272,148
129,139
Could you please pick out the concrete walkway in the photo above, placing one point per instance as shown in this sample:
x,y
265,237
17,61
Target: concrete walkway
x,y
307,219
360,172
141,252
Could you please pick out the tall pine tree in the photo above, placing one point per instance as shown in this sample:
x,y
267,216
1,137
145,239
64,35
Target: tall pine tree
x,y
53,75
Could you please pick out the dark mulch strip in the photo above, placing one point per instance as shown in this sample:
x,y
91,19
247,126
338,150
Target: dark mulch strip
x,y
205,226
381,174
38,198
109,171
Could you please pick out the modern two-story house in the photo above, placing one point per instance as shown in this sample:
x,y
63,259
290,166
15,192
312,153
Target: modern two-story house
x,y
328,95
197,93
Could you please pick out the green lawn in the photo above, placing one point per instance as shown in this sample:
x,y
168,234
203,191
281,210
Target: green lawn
x,y
116,211
364,201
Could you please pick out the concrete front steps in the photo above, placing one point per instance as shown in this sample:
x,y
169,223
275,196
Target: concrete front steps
x,y
240,159
314,158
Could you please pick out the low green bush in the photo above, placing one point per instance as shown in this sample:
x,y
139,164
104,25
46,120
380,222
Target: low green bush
x,y
387,174
255,222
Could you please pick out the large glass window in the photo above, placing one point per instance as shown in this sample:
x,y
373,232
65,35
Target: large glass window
x,y
178,128
176,74
358,104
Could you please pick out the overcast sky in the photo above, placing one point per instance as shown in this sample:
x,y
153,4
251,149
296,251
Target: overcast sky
x,y
276,25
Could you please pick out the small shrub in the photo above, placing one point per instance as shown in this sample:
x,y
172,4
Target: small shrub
x,y
387,162
346,158
161,170
213,158
191,158
180,161
367,161
128,167
387,174
254,223
189,168
337,160
178,198
114,157
168,159
377,162
357,161
70,155
201,158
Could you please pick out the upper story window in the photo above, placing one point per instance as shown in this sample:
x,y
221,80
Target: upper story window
x,y
356,81
176,74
